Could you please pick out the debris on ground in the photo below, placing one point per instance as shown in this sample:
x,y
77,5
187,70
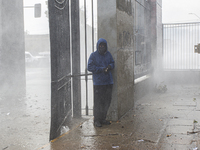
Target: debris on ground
x,y
146,140
193,132
110,134
115,146
141,140
5,148
64,129
195,121
161,88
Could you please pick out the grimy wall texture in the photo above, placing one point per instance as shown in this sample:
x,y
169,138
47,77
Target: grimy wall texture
x,y
133,31
12,59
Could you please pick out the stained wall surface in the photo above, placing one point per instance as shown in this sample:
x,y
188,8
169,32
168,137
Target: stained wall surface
x,y
131,29
12,56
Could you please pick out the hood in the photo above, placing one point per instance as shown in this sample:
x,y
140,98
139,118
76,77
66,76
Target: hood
x,y
101,40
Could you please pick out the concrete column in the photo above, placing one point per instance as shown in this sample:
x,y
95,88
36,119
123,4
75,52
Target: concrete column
x,y
115,24
12,51
156,36
0,30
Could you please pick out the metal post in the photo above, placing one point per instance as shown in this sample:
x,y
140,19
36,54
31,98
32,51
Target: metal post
x,y
92,33
59,23
92,25
86,77
76,58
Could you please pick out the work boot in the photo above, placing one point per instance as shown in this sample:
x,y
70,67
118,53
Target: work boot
x,y
97,124
105,122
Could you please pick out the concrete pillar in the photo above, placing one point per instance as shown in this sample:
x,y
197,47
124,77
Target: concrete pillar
x,y
0,30
115,24
156,36
12,51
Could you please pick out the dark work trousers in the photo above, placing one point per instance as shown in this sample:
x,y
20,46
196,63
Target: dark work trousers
x,y
102,100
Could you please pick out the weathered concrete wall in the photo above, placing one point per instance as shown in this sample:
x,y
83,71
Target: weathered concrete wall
x,y
115,24
155,37
156,34
142,88
125,57
131,26
142,37
0,28
12,56
159,33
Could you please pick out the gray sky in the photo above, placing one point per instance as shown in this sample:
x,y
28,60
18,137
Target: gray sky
x,y
35,25
173,11
176,11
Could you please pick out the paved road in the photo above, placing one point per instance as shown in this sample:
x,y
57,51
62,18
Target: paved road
x,y
25,119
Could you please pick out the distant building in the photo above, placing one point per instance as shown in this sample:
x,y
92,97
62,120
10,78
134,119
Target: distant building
x,y
37,43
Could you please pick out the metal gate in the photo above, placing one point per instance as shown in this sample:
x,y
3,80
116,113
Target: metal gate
x,y
178,46
72,38
88,36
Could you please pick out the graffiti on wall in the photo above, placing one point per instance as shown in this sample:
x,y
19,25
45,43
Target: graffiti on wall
x,y
125,5
125,39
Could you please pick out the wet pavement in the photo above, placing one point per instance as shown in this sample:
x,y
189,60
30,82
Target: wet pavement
x,y
25,118
163,121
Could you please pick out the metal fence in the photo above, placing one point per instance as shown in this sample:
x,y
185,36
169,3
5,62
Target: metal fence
x,y
88,36
178,46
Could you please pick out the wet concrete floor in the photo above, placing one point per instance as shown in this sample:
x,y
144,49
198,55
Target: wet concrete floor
x,y
159,121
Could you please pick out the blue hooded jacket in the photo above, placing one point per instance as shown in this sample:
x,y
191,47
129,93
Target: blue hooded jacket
x,y
98,62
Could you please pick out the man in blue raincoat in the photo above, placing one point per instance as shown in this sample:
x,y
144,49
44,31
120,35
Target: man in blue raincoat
x,y
100,64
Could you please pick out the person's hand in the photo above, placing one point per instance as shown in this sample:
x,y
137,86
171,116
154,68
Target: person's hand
x,y
109,67
105,70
